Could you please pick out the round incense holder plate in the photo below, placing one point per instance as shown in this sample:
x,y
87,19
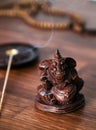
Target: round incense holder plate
x,y
26,54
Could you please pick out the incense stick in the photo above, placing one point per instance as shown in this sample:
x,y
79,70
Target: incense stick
x,y
11,53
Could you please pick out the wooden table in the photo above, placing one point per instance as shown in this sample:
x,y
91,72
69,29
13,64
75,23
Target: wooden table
x,y
19,112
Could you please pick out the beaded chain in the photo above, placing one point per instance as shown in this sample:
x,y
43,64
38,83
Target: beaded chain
x,y
26,11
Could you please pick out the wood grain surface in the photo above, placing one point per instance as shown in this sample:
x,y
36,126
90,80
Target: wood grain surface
x,y
19,112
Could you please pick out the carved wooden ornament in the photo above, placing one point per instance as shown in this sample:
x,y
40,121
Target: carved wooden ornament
x,y
60,85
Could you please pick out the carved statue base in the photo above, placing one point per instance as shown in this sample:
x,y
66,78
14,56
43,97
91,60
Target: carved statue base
x,y
60,85
66,108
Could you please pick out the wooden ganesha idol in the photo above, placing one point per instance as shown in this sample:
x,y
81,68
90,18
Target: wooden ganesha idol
x,y
60,85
